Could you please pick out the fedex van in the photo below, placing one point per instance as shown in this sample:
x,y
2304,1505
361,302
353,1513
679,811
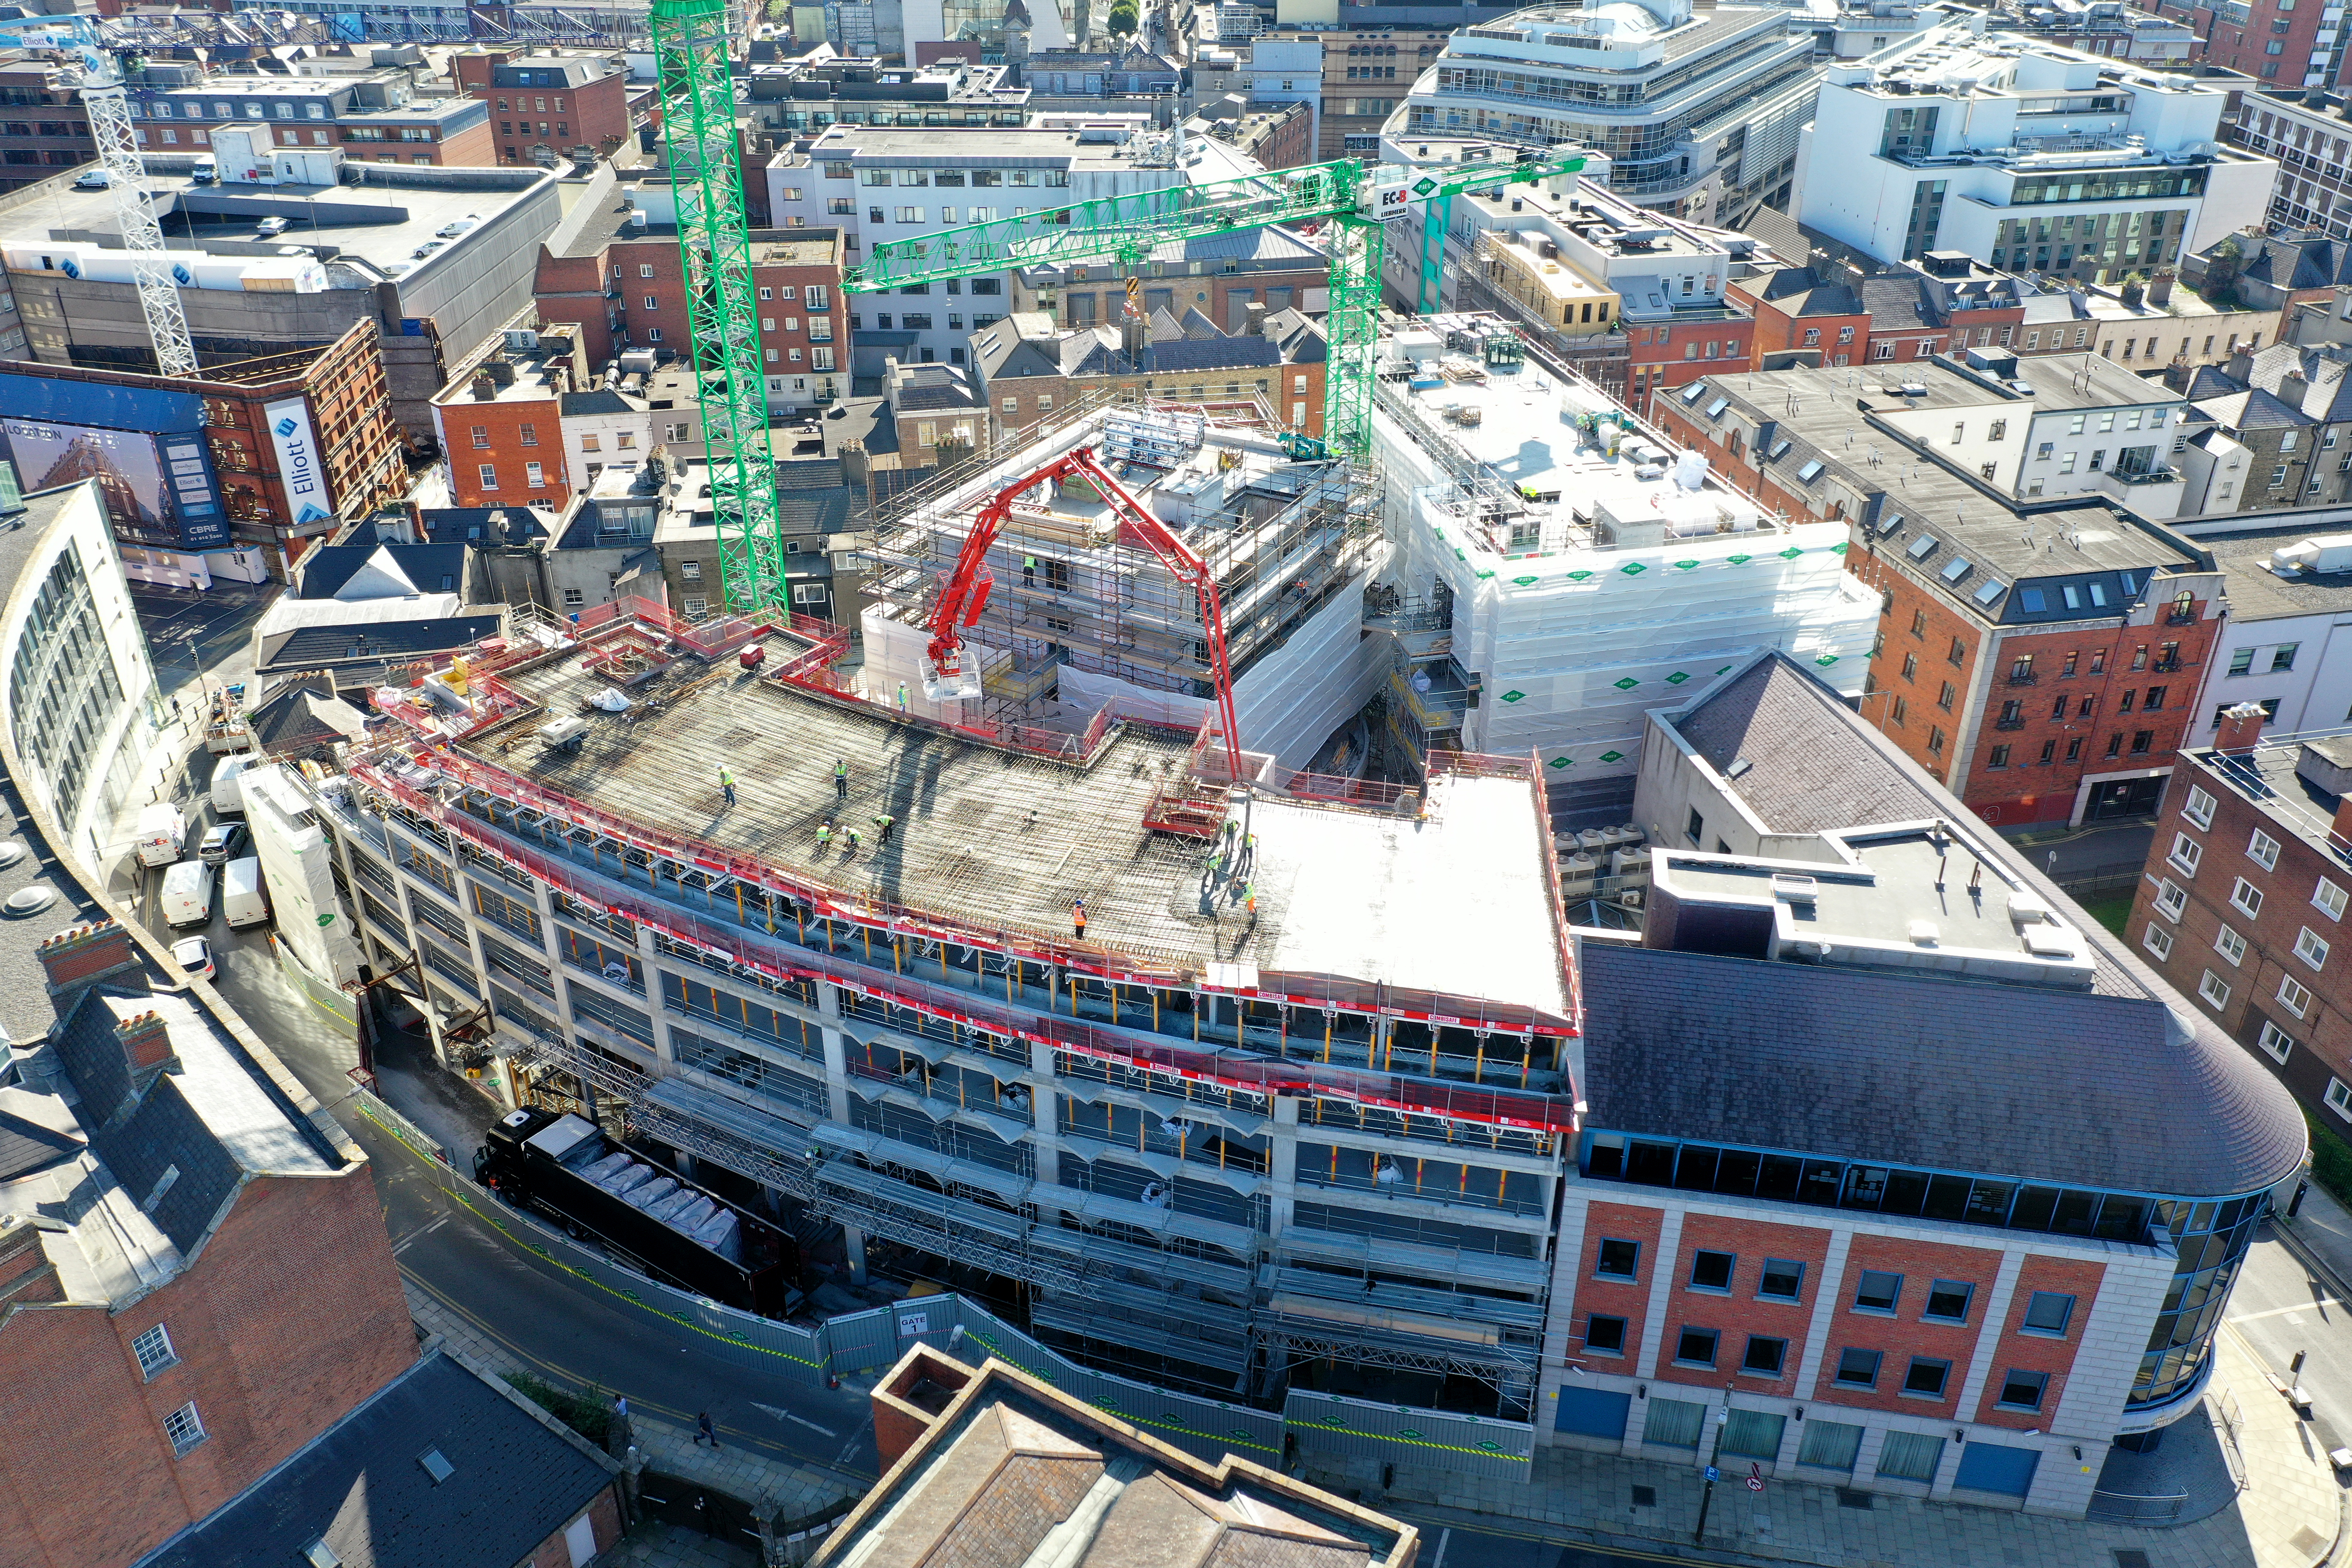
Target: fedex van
x,y
188,894
162,833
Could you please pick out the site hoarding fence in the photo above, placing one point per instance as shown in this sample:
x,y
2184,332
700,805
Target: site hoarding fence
x,y
869,1342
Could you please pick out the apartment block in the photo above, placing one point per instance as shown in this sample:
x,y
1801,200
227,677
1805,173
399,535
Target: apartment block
x,y
377,116
1027,369
2040,645
500,419
2273,42
546,103
2026,154
2290,586
1220,276
1818,314
47,128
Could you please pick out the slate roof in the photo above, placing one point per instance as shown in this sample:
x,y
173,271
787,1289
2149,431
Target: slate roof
x,y
601,400
2146,1094
452,524
516,1477
303,714
330,647
433,568
2254,410
1895,302
1804,291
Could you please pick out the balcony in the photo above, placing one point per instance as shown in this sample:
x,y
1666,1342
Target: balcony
x,y
2023,677
2009,723
2151,477
2165,666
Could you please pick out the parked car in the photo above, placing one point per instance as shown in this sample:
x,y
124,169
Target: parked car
x,y
92,180
221,842
194,957
270,227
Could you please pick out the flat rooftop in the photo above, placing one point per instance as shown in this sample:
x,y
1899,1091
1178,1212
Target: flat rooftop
x,y
2298,779
2255,590
1012,147
1003,839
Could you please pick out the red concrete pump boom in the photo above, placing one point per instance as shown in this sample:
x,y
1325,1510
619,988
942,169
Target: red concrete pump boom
x,y
953,672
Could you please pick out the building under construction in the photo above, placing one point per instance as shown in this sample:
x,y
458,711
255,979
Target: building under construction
x,y
1238,1108
1082,612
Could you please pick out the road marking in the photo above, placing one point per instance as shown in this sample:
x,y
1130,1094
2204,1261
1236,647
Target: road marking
x,y
788,1416
2291,1314
1442,1536
417,1236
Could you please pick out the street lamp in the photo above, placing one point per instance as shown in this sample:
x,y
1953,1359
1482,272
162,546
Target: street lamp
x,y
1706,1498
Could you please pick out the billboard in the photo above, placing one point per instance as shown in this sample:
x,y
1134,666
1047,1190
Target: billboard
x,y
307,500
145,448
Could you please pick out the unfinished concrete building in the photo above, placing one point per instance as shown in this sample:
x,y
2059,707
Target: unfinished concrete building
x,y
1083,612
1283,1110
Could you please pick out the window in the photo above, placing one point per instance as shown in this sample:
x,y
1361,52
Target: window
x,y
1695,1347
2212,989
2310,948
2329,898
1604,1336
2339,1099
2292,996
2263,850
1712,1270
645,268
1959,654
1935,740
1764,1356
2247,897
2199,807
1696,829
1858,1368
1878,1291
2158,941
2021,1390
2170,898
690,571
2229,945
2048,1312
2275,1042
183,1426
2186,853
2283,656
481,435
533,476
1948,1300
1910,666
1618,1260
490,477
1927,1375
154,1349
1999,758
1782,1279
1946,698
653,301
529,435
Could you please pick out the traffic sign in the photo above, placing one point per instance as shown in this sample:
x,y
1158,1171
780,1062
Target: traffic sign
x,y
1755,1478
1714,1474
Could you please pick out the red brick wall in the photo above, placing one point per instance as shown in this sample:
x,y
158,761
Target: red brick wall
x,y
1921,692
595,114
1676,355
1906,1333
290,1315
2040,1353
571,288
1616,1298
504,425
1742,1312
552,1552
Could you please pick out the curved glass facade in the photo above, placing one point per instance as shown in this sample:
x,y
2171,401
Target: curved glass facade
x,y
2212,1236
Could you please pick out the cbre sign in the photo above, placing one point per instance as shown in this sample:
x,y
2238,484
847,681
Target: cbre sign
x,y
307,500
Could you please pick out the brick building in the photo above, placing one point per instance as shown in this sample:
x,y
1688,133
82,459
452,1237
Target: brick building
x,y
1825,315
1220,275
2244,894
1750,1274
216,1287
1028,368
500,418
2041,646
45,127
623,283
545,102
377,117
2275,41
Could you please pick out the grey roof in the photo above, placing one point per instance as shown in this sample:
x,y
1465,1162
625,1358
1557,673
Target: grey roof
x,y
1895,302
516,1479
28,1146
434,568
304,715
330,647
1804,291
472,524
2253,410
2146,1094
2254,592
602,400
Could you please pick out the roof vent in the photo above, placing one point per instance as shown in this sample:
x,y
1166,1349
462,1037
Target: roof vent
x,y
2027,907
1922,933
1739,766
439,1469
1792,888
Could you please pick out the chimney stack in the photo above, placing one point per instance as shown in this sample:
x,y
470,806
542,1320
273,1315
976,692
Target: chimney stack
x,y
83,955
2241,727
146,1041
2292,389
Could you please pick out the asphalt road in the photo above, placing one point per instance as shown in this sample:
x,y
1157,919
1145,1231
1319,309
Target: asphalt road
x,y
2281,1310
538,1316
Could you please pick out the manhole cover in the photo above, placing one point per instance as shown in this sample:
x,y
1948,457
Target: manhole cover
x,y
1849,1498
1645,1497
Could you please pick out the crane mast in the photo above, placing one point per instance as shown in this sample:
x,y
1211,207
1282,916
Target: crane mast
x,y
697,101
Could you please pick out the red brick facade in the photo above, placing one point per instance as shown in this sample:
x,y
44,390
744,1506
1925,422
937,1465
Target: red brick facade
x,y
1741,1312
290,1315
591,114
1671,354
552,1552
504,453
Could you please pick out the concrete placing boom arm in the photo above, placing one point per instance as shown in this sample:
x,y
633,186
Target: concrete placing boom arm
x,y
950,669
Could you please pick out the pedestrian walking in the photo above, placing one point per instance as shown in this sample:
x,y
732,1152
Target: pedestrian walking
x,y
882,825
704,1432
841,777
1078,918
727,782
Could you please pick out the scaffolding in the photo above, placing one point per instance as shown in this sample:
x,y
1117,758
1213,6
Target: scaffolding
x,y
1075,590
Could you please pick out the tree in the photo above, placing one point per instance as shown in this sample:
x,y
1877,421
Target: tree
x,y
1123,17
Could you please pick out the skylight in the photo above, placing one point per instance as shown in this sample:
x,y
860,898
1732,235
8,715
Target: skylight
x,y
1811,471
1956,569
1920,546
1715,410
1698,389
1993,589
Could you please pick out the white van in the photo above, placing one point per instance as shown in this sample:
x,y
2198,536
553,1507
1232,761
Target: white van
x,y
188,894
243,899
162,833
228,795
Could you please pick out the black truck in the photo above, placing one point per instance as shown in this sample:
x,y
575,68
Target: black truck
x,y
641,1214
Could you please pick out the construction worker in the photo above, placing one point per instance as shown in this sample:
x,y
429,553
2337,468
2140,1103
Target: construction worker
x,y
823,834
853,842
1028,571
1078,919
727,782
1249,897
902,697
841,777
882,825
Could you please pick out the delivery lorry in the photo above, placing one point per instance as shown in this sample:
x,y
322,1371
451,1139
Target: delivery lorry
x,y
228,794
162,833
188,894
644,1217
243,899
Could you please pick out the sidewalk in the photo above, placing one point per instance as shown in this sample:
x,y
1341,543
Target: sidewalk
x,y
2291,1514
793,1490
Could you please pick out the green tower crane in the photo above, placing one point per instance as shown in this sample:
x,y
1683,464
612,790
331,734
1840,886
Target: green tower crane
x,y
697,104
1351,199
